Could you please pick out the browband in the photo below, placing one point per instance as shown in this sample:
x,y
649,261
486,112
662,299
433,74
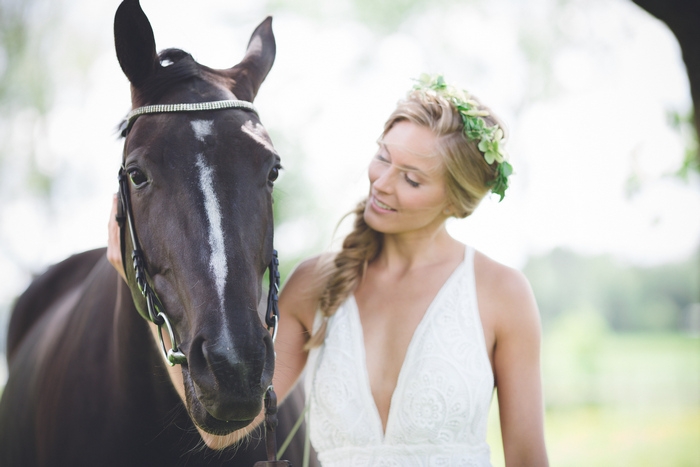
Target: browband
x,y
192,107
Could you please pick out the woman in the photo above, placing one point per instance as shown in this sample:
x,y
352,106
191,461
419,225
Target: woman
x,y
406,331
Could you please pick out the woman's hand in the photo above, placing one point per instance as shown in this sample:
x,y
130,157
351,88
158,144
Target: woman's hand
x,y
114,252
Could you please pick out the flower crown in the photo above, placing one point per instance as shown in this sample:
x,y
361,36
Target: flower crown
x,y
490,139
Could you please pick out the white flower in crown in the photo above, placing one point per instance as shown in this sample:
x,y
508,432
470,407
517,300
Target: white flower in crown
x,y
494,149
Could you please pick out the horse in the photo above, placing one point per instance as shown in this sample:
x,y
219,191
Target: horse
x,y
155,370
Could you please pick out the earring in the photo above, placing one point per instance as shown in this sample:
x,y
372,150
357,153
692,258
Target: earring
x,y
447,211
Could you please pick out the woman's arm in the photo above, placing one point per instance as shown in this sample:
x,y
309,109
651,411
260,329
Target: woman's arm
x,y
511,325
298,303
516,362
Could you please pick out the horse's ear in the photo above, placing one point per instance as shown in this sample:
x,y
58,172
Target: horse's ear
x,y
134,41
256,64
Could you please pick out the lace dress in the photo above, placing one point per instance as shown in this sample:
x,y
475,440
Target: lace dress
x,y
440,406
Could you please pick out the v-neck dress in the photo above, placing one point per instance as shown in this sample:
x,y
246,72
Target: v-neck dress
x,y
440,405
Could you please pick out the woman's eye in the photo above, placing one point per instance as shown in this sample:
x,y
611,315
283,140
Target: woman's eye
x,y
413,183
274,174
137,177
381,158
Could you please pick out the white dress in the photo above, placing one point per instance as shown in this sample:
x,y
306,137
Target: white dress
x,y
440,406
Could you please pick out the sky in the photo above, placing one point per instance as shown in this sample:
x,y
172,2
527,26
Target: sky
x,y
594,121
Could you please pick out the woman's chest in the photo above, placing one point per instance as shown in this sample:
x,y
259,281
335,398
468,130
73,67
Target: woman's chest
x,y
391,306
441,393
389,314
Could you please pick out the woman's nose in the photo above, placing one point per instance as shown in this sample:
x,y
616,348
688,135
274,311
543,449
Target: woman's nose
x,y
385,179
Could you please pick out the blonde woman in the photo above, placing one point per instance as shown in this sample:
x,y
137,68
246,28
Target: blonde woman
x,y
406,332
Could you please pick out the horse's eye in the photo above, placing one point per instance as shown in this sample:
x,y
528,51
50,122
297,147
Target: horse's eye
x,y
137,177
274,173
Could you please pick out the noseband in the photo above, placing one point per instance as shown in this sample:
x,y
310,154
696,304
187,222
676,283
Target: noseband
x,y
156,310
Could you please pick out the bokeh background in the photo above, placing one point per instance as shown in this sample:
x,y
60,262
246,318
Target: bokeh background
x,y
602,213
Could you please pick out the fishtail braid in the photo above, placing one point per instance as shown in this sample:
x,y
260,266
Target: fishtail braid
x,y
361,246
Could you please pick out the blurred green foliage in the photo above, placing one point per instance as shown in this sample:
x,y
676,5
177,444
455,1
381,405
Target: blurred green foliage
x,y
685,125
26,92
22,81
620,361
627,298
295,206
616,399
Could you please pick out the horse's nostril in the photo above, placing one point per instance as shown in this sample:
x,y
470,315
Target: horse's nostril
x,y
217,356
228,387
216,367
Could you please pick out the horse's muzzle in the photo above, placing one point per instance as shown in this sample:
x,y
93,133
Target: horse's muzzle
x,y
227,382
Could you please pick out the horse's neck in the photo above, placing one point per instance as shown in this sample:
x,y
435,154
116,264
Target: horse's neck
x,y
133,346
142,385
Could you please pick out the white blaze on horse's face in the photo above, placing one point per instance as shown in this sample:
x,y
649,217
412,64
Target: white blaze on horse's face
x,y
258,133
217,263
202,128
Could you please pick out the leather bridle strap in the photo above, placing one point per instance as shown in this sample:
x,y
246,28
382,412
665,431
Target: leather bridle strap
x,y
156,311
272,315
270,425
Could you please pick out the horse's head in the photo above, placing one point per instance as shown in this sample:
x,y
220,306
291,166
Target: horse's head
x,y
200,189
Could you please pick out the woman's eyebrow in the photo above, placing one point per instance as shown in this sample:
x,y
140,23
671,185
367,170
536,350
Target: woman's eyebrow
x,y
407,168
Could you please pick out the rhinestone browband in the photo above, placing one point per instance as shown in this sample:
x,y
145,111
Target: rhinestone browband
x,y
192,107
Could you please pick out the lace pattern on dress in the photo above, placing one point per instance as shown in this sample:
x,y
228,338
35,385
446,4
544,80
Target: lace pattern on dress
x,y
440,406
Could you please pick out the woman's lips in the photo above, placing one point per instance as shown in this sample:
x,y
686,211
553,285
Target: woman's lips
x,y
382,206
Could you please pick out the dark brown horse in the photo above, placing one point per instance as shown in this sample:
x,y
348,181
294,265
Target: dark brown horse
x,y
88,384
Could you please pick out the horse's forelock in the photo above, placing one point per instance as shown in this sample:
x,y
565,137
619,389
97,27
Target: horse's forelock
x,y
177,66
173,55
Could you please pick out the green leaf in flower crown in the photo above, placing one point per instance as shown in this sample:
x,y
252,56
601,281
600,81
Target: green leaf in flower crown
x,y
499,187
506,169
500,184
463,109
474,128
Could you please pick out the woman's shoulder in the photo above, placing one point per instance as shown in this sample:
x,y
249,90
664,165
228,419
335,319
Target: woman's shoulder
x,y
310,272
498,278
505,292
302,289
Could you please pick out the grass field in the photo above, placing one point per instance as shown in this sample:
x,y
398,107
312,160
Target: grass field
x,y
618,400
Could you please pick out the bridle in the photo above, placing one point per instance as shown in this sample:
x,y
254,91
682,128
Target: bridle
x,y
155,309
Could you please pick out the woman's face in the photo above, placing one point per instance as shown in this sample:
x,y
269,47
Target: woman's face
x,y
407,186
